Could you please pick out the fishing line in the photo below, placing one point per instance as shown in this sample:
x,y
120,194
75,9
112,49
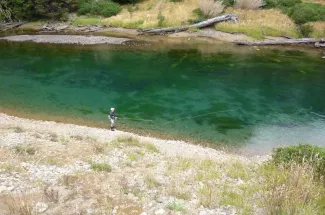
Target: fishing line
x,y
149,120
191,117
179,119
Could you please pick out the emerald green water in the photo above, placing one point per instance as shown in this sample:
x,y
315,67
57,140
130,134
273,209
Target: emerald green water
x,y
258,99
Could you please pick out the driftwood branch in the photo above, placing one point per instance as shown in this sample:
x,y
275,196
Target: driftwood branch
x,y
316,42
208,22
8,26
320,44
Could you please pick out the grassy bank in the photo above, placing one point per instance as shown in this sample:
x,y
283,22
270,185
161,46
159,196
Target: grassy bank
x,y
68,169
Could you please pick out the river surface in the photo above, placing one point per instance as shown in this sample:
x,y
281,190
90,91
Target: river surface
x,y
258,99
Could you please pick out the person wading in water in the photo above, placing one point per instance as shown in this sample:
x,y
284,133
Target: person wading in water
x,y
113,118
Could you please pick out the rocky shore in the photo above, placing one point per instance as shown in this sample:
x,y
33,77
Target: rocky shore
x,y
54,168
66,39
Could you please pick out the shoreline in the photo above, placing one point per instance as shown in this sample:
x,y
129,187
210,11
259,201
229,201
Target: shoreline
x,y
168,146
206,35
85,165
66,39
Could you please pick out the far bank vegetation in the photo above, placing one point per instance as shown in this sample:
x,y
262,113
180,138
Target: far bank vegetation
x,y
257,18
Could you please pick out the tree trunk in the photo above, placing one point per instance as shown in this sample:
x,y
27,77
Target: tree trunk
x,y
208,22
281,42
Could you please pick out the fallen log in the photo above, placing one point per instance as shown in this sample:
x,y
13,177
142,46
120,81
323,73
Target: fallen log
x,y
8,26
279,42
320,44
206,23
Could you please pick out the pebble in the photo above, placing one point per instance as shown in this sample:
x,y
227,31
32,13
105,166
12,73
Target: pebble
x,y
160,212
40,207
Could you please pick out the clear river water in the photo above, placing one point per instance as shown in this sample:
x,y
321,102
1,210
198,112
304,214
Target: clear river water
x,y
256,98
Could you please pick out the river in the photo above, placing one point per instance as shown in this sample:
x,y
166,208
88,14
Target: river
x,y
253,98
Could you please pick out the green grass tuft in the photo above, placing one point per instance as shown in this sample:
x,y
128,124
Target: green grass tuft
x,y
101,167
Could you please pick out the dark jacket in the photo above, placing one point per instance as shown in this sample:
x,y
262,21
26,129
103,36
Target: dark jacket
x,y
112,115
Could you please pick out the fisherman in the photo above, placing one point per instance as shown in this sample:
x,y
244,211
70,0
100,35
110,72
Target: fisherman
x,y
113,118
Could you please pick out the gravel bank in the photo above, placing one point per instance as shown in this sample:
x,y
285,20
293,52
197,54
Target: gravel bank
x,y
67,39
58,168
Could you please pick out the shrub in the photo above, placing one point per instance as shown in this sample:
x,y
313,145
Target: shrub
x,y
304,153
306,30
176,0
29,150
229,3
211,8
5,13
161,19
199,13
280,3
307,12
101,8
249,4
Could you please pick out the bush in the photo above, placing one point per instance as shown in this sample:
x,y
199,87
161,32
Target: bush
x,y
249,4
101,8
280,3
229,3
304,153
211,8
306,30
38,9
307,12
126,1
161,19
5,13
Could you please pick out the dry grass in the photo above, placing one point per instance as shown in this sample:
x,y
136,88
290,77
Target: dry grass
x,y
260,23
19,204
211,8
322,2
248,4
319,29
292,191
146,14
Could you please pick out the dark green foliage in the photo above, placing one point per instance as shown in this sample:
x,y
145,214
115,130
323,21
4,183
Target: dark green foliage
x,y
176,0
101,8
40,9
304,153
56,9
201,16
198,12
306,30
126,1
229,3
307,12
5,12
281,3
298,11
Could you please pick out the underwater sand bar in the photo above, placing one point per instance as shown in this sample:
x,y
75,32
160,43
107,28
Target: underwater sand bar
x,y
66,39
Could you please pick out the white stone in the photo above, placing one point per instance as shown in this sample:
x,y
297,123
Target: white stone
x,y
203,213
41,207
144,213
160,212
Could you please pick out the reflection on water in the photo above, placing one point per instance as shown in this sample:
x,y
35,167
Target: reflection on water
x,y
259,99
